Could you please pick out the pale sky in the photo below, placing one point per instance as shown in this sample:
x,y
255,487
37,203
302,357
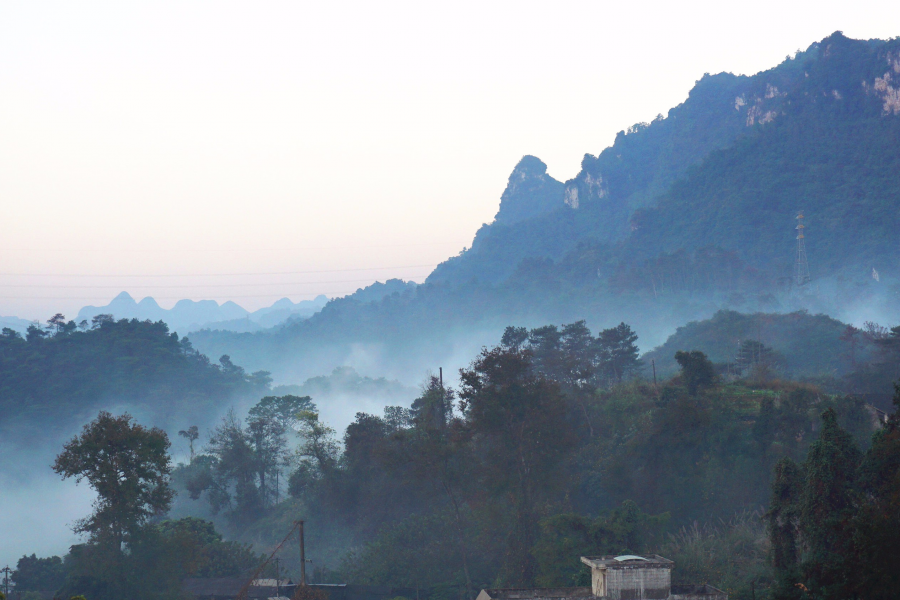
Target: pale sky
x,y
255,150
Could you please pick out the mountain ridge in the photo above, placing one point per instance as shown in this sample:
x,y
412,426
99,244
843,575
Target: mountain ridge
x,y
735,161
192,315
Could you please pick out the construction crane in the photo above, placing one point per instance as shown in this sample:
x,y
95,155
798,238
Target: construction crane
x,y
298,526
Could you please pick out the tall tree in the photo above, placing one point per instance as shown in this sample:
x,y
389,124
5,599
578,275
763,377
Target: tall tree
x,y
828,504
436,457
190,434
618,352
229,473
128,466
782,522
517,422
878,520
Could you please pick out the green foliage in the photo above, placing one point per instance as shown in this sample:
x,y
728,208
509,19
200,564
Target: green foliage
x,y
33,573
567,536
128,466
833,522
732,555
799,344
54,379
158,559
878,519
827,506
783,526
696,370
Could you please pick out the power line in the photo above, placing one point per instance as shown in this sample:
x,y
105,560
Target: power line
x,y
230,297
217,274
166,286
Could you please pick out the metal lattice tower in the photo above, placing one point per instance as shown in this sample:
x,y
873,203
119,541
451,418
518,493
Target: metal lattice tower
x,y
801,267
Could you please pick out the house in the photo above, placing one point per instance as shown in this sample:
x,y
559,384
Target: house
x,y
229,588
625,577
534,594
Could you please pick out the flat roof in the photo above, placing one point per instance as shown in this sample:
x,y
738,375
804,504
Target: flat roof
x,y
534,593
621,561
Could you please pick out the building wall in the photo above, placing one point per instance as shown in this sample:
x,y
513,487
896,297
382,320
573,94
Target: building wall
x,y
638,583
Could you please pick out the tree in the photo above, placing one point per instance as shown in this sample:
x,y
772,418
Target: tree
x,y
230,474
33,573
517,421
696,370
268,422
34,333
565,536
284,409
191,434
433,409
618,353
56,322
877,523
318,450
827,508
514,337
435,458
782,523
128,466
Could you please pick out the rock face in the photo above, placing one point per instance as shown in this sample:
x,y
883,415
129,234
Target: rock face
x,y
529,193
728,169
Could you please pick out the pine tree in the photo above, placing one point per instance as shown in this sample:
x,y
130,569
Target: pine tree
x,y
877,523
782,524
827,507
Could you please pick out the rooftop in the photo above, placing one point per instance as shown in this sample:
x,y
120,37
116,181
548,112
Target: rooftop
x,y
621,561
533,593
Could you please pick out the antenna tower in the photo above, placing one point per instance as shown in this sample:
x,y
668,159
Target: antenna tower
x,y
801,267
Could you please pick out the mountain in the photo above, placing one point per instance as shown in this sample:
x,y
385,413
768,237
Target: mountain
x,y
729,168
51,382
678,219
14,323
191,315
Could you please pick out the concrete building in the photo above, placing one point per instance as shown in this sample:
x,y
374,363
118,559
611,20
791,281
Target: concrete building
x,y
626,577
630,577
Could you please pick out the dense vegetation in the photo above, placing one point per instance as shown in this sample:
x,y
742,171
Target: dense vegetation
x,y
748,457
550,448
64,372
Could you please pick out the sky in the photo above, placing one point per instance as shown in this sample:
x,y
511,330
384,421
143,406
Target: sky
x,y
250,151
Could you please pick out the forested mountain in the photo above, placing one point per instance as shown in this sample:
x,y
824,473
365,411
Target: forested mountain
x,y
729,169
679,218
57,375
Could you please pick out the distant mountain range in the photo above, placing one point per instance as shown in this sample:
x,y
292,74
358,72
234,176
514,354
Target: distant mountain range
x,y
190,315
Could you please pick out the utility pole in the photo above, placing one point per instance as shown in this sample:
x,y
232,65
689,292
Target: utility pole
x,y
653,364
302,554
6,571
278,576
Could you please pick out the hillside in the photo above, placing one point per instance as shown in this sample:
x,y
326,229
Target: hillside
x,y
56,378
729,168
679,218
806,345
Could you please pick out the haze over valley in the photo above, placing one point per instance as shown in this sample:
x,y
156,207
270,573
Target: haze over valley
x,y
471,292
